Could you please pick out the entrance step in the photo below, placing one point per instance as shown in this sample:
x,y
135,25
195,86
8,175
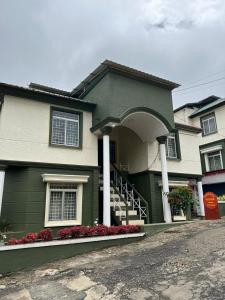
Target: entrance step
x,y
134,222
122,213
120,203
116,196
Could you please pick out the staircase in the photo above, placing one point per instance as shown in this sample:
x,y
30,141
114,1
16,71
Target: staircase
x,y
127,205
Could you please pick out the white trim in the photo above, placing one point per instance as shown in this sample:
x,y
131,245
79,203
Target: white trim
x,y
206,156
175,183
64,178
211,149
2,180
221,202
72,241
106,181
165,184
79,201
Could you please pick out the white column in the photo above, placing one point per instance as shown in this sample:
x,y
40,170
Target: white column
x,y
2,179
106,180
165,182
200,198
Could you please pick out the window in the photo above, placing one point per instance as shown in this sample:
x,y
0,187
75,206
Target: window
x,y
63,202
171,149
65,129
209,124
214,161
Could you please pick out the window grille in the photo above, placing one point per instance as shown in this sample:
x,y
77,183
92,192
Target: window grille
x,y
65,129
171,149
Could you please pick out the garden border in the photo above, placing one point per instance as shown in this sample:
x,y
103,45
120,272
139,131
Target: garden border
x,y
71,241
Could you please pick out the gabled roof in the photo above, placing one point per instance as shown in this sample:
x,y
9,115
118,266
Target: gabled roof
x,y
208,107
198,104
108,65
45,96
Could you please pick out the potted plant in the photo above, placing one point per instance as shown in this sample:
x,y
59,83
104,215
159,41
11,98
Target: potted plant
x,y
181,198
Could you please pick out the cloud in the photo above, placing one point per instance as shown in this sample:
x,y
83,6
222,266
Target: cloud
x,y
60,43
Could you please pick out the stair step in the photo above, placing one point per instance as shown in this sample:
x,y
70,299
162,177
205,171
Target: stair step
x,y
134,222
120,203
122,213
111,189
113,196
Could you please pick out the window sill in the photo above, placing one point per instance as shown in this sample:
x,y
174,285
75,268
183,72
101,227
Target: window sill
x,y
62,223
173,159
203,135
65,146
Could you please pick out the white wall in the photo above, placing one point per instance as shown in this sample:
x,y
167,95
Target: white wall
x,y
141,156
131,151
24,135
182,116
190,157
220,121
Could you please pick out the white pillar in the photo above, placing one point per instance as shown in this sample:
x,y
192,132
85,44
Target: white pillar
x,y
200,198
106,179
165,181
2,179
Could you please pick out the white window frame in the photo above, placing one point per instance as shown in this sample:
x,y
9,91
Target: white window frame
x,y
63,179
206,119
77,145
172,136
207,161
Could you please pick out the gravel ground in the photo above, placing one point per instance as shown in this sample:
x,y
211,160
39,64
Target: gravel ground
x,y
182,263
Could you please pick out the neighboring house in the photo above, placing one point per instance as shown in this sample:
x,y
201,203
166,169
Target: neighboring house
x,y
209,114
56,148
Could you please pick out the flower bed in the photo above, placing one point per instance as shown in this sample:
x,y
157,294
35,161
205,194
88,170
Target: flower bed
x,y
75,232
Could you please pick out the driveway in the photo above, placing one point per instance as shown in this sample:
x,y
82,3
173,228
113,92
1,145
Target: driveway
x,y
182,263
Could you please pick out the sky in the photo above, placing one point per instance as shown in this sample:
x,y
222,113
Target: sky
x,y
59,42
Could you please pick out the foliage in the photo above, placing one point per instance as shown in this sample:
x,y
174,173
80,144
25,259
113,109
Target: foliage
x,y
45,235
181,198
4,225
75,232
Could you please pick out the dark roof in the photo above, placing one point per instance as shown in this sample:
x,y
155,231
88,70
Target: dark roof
x,y
40,95
48,89
108,65
198,104
188,128
209,107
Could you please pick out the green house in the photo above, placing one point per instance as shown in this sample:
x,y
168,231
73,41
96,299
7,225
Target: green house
x,y
107,152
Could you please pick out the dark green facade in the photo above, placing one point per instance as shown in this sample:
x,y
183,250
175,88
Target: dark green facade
x,y
25,195
116,94
148,184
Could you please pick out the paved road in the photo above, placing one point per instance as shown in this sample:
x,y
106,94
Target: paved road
x,y
183,263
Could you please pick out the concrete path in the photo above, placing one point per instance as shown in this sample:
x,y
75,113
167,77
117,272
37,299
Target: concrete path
x,y
182,263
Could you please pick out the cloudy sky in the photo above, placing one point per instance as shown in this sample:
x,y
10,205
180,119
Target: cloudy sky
x,y
59,42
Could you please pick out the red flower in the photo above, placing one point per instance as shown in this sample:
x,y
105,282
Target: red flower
x,y
31,237
45,235
64,233
75,231
101,230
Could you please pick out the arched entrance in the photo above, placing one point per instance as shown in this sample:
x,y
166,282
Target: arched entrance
x,y
126,141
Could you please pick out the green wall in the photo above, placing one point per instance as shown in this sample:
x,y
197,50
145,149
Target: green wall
x,y
20,259
116,94
147,183
25,192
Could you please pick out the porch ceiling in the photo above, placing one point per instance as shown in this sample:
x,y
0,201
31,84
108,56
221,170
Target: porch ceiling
x,y
145,125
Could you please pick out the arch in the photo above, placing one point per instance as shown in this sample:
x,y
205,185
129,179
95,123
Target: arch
x,y
149,111
146,123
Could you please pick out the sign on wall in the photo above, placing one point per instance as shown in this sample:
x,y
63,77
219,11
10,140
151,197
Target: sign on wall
x,y
211,206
